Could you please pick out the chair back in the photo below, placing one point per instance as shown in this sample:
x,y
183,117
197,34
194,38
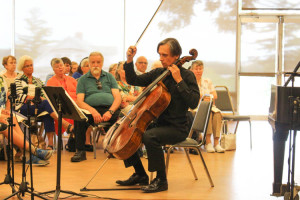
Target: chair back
x,y
201,118
224,102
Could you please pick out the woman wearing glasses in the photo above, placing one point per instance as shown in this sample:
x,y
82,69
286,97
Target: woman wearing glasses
x,y
26,85
39,156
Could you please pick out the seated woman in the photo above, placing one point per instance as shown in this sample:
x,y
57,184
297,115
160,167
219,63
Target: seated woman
x,y
215,121
39,156
9,62
112,69
74,68
128,92
82,69
26,85
69,84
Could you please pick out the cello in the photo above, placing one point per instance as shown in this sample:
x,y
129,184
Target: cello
x,y
125,137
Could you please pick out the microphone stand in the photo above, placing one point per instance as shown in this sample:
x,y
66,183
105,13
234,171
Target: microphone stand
x,y
9,178
23,186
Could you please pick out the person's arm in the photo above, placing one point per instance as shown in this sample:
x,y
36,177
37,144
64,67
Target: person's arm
x,y
80,102
21,96
189,90
115,105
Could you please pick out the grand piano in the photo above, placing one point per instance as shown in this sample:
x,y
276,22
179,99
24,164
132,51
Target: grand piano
x,y
280,118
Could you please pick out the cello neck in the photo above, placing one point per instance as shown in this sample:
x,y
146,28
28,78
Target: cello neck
x,y
149,87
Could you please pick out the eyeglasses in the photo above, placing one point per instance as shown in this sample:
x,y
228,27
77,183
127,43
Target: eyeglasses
x,y
26,66
99,85
143,63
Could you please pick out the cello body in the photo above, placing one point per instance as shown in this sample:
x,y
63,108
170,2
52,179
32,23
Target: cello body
x,y
125,137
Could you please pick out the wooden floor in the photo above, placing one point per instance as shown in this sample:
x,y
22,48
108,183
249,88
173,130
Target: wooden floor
x,y
238,175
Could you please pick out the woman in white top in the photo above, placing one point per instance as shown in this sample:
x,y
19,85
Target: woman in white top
x,y
215,121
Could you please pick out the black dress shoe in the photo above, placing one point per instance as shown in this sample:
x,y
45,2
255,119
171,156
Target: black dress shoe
x,y
134,179
157,185
3,126
79,156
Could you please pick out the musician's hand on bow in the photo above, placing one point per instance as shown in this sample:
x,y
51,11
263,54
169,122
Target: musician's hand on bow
x,y
130,53
175,73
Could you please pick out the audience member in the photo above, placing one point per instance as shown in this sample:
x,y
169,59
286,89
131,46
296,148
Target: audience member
x,y
60,79
156,64
98,92
74,68
39,156
67,63
214,125
9,62
83,68
128,92
112,69
141,65
26,85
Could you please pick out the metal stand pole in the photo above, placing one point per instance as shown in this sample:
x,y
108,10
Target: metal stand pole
x,y
58,190
9,178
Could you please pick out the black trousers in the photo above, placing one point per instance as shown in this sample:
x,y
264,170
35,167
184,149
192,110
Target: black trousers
x,y
153,140
80,127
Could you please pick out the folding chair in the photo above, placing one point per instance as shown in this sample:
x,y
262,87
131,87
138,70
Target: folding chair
x,y
96,133
200,125
224,103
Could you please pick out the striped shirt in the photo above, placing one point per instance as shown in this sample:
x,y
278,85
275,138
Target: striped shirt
x,y
22,89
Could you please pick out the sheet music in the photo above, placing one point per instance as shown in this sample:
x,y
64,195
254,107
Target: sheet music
x,y
19,116
79,111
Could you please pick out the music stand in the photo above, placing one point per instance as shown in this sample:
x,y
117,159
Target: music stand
x,y
65,107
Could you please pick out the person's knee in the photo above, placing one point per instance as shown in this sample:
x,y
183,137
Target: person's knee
x,y
147,139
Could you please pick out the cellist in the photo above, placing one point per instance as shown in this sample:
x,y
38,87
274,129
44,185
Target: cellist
x,y
171,126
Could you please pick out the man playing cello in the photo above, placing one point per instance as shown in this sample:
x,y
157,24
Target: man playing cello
x,y
171,125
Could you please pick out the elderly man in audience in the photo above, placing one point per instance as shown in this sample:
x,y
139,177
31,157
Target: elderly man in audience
x,y
141,65
26,85
97,92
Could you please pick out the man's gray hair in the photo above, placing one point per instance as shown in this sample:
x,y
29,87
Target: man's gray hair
x,y
96,53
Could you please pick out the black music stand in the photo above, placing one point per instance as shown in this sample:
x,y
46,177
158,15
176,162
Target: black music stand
x,y
65,107
9,177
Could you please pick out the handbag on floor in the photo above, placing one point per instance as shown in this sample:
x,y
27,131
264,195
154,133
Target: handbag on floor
x,y
228,140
